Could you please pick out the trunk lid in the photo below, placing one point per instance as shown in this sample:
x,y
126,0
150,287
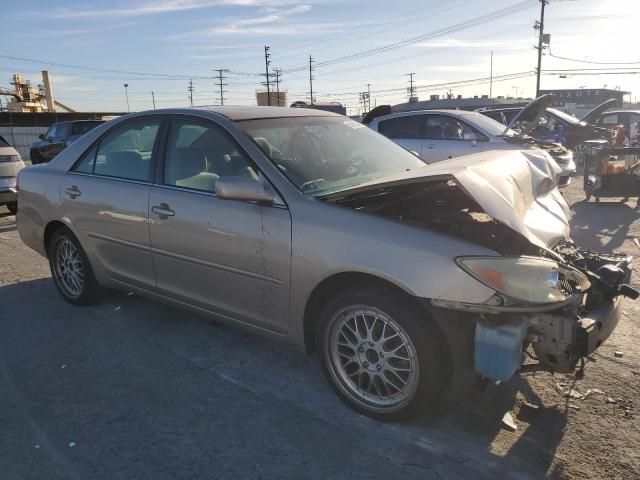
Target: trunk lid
x,y
516,188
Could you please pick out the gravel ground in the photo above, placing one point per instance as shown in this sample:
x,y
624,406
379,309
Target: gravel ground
x,y
133,389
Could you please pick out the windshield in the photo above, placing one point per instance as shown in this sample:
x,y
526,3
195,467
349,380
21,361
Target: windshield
x,y
570,119
488,125
320,155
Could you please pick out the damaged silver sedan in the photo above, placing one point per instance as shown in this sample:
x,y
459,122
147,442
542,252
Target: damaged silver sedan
x,y
310,228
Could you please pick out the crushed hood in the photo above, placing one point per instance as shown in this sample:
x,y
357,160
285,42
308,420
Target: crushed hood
x,y
516,188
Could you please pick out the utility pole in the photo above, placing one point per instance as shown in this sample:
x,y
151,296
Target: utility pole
x,y
411,89
267,55
491,81
190,90
311,78
277,72
126,94
153,99
540,26
368,97
221,84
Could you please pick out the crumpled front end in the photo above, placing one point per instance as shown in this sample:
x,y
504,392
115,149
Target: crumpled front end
x,y
556,335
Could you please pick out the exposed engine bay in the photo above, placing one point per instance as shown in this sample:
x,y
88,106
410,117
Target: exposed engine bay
x,y
445,207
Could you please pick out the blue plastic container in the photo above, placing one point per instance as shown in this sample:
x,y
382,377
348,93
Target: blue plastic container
x,y
498,348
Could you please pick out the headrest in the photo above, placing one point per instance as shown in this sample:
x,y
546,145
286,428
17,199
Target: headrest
x,y
264,144
190,161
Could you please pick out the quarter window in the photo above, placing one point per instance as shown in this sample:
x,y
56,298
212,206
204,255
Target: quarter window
x,y
199,153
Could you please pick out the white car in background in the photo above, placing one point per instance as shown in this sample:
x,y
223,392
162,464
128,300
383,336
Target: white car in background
x,y
10,165
437,135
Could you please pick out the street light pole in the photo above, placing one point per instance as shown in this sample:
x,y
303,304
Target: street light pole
x,y
126,94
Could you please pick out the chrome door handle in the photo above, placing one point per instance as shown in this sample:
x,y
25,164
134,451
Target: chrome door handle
x,y
163,211
431,146
73,192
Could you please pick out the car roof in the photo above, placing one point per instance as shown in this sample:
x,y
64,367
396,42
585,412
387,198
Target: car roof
x,y
425,112
242,112
607,112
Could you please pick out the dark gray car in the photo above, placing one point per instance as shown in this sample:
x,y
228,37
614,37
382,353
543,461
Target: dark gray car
x,y
58,137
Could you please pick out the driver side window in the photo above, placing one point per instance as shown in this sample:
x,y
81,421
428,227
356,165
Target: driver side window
x,y
198,153
441,127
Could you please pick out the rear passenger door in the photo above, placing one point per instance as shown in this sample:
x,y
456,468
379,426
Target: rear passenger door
x,y
229,257
406,131
106,196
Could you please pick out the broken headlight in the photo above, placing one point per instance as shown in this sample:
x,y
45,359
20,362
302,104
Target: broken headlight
x,y
526,279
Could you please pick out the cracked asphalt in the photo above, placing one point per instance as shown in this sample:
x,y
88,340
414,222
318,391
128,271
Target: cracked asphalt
x,y
129,388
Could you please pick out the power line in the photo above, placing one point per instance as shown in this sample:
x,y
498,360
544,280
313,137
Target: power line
x,y
474,22
97,69
592,62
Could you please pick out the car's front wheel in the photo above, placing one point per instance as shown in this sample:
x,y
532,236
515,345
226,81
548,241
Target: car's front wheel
x,y
382,354
70,268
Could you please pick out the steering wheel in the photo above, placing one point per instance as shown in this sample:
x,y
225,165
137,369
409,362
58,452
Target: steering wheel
x,y
311,184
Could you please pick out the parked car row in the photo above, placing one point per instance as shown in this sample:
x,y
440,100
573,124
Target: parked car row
x,y
309,227
437,135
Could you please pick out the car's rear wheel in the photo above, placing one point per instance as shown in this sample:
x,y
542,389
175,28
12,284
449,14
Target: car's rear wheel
x,y
382,354
12,207
70,268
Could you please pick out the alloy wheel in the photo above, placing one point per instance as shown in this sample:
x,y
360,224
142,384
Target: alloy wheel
x,y
372,358
69,268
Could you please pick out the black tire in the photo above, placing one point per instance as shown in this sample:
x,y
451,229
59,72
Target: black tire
x,y
588,197
428,347
88,290
13,207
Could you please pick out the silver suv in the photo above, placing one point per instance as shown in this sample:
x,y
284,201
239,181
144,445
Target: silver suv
x,y
10,165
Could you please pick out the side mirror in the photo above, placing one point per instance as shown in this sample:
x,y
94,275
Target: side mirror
x,y
41,136
243,188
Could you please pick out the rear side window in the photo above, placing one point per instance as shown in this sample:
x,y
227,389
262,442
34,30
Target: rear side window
x,y
408,128
124,152
497,116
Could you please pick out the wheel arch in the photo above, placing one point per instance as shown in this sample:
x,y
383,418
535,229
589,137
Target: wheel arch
x,y
333,284
52,227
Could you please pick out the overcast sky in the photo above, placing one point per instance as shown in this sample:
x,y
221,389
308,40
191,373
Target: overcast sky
x,y
189,38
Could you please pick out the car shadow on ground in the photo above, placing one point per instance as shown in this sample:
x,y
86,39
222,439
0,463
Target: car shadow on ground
x,y
610,219
452,440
